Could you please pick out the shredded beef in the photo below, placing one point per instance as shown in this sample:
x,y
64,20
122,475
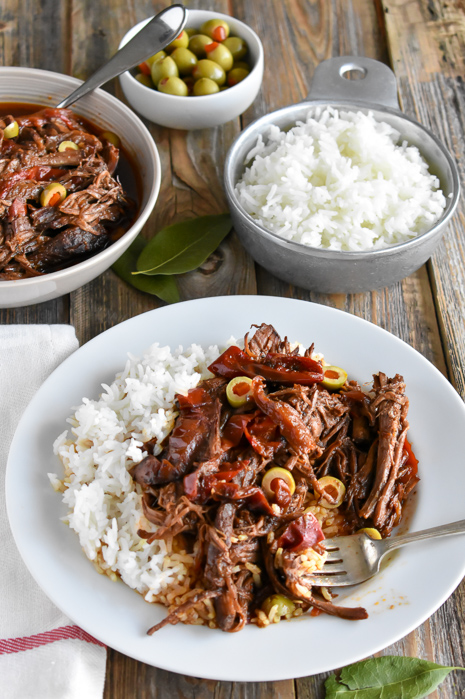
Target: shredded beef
x,y
206,481
37,239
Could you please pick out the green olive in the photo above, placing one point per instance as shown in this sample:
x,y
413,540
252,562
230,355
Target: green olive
x,y
370,531
173,86
197,44
145,80
236,75
220,54
164,68
277,473
237,46
216,29
111,137
53,194
238,389
67,145
241,64
333,377
181,41
185,60
205,86
209,69
335,488
12,130
284,605
155,57
190,31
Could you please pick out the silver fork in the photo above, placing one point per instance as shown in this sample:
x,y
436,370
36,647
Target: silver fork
x,y
353,559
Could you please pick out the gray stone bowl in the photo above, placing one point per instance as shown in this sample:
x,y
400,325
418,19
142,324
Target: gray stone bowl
x,y
331,271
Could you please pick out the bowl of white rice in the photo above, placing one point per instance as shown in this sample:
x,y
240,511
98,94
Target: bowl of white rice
x,y
342,192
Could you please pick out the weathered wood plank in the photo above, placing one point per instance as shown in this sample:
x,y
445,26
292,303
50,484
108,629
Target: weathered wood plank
x,y
426,41
125,680
35,38
427,47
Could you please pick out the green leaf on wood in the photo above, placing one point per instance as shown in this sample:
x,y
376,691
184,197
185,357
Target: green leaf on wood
x,y
184,246
387,677
162,286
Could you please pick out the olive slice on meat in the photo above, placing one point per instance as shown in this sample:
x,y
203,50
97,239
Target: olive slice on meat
x,y
238,390
335,489
333,377
277,473
371,532
12,130
67,145
278,606
53,194
111,138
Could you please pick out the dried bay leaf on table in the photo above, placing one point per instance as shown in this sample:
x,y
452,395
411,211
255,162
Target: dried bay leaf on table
x,y
183,246
164,287
387,677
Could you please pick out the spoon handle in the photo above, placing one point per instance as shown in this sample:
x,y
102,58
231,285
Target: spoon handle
x,y
158,33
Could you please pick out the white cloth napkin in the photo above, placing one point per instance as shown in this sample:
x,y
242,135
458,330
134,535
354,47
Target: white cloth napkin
x,y
43,655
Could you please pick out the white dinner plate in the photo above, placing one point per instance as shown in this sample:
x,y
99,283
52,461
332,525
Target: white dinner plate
x,y
408,591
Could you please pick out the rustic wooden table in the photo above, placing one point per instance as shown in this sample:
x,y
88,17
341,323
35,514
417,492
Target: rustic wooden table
x,y
424,42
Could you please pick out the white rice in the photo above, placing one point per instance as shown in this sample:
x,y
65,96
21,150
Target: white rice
x,y
341,181
106,440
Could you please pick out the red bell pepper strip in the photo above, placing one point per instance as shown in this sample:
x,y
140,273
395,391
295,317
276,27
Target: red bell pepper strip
x,y
281,368
234,429
44,115
303,533
251,495
411,464
38,173
262,433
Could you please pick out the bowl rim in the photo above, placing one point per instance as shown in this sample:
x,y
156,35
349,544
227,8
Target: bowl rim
x,y
388,251
112,102
205,98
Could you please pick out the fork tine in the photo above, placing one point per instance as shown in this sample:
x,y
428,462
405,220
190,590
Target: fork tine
x,y
328,581
336,569
334,558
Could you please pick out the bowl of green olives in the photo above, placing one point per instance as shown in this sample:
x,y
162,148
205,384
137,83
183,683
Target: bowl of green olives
x,y
210,74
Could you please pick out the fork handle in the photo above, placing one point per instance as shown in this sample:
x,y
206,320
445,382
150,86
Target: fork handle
x,y
443,530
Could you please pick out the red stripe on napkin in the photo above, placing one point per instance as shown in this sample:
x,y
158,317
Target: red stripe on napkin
x,y
15,645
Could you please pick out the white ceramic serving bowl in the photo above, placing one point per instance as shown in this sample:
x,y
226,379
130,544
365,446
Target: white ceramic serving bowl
x,y
198,112
29,85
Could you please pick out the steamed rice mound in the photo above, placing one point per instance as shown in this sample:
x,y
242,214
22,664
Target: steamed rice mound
x,y
105,441
340,181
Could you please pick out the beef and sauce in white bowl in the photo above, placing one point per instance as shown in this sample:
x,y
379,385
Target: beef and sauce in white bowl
x,y
102,115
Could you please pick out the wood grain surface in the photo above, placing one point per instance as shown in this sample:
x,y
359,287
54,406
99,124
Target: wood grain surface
x,y
423,40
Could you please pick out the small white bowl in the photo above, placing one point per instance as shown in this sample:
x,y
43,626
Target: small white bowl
x,y
198,112
28,85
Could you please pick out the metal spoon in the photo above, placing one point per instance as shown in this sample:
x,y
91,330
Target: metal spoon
x,y
157,34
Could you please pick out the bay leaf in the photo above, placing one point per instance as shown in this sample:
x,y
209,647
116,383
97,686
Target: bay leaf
x,y
387,677
162,286
183,246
